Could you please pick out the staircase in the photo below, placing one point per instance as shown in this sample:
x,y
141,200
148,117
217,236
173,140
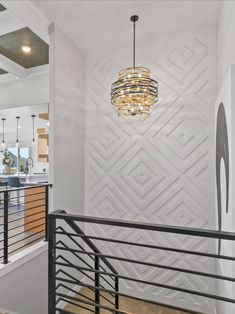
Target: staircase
x,y
127,305
83,280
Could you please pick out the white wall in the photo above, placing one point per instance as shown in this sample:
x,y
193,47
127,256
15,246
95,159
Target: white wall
x,y
158,170
27,91
24,289
67,84
225,40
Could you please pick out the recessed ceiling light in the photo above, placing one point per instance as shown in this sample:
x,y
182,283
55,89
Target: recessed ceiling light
x,y
26,49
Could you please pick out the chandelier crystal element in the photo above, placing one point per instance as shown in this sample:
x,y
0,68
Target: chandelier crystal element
x,y
135,92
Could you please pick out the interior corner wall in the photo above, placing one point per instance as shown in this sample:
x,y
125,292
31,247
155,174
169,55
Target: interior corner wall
x,y
159,170
67,85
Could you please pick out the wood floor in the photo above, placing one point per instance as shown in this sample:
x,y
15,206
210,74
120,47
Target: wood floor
x,y
128,305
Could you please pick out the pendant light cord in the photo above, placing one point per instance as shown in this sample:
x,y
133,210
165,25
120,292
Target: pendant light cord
x,y
17,131
33,117
3,130
134,19
134,44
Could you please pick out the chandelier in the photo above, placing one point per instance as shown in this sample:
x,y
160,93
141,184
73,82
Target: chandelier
x,y
135,92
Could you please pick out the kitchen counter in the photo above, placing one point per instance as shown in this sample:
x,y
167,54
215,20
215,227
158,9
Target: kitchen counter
x,y
32,179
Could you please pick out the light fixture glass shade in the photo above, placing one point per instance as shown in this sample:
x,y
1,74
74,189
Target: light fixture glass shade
x,y
134,93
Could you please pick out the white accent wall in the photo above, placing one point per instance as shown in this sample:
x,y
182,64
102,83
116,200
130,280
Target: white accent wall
x,y
159,170
67,88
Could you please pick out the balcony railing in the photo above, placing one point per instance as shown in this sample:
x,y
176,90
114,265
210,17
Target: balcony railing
x,y
23,218
75,263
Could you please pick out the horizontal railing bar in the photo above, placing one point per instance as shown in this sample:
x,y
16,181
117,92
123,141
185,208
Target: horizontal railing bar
x,y
77,229
63,311
60,241
72,290
70,302
92,279
30,229
34,214
68,262
79,283
145,226
20,196
160,285
75,292
104,307
28,202
101,266
31,235
183,270
69,275
74,241
27,188
25,210
80,258
231,258
28,244
27,223
23,203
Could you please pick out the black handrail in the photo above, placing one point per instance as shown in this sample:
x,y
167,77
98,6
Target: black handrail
x,y
73,220
223,235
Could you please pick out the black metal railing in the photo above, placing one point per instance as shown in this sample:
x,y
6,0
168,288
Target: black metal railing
x,y
23,218
99,266
70,248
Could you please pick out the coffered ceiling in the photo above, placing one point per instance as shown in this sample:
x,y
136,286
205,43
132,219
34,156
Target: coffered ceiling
x,y
14,62
2,8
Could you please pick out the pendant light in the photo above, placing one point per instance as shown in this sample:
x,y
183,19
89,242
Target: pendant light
x,y
135,92
3,132
17,131
33,118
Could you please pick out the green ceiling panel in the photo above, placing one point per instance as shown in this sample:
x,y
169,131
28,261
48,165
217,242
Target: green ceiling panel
x,y
2,8
11,43
2,72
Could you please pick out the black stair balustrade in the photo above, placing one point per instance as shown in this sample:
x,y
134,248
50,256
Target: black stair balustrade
x,y
77,266
23,218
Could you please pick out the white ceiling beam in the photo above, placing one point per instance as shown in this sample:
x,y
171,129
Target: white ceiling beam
x,y
9,23
30,16
12,67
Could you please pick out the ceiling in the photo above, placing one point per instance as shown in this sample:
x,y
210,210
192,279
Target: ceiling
x,y
14,62
11,43
98,24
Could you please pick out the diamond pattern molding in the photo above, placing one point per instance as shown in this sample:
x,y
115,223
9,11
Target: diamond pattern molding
x,y
156,170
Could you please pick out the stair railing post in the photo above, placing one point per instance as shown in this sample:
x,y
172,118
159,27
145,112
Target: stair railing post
x,y
51,265
97,284
46,210
116,295
5,227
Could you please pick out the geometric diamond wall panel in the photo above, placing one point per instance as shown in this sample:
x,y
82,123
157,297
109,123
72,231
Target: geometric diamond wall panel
x,y
157,170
